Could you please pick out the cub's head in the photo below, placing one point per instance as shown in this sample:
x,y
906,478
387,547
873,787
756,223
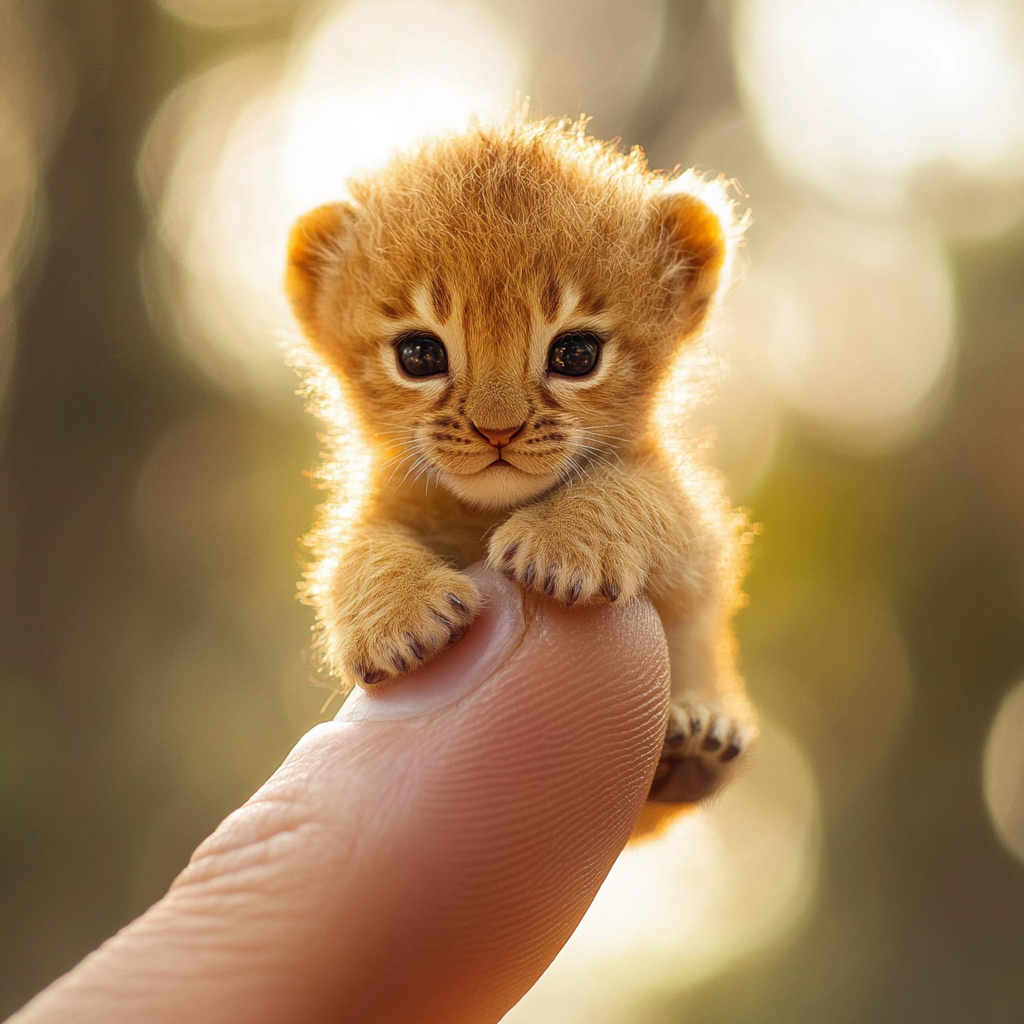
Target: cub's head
x,y
501,306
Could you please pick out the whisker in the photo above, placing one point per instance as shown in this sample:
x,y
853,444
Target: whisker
x,y
602,433
577,470
597,435
598,453
418,460
408,452
425,468
593,456
394,458
394,437
403,425
410,460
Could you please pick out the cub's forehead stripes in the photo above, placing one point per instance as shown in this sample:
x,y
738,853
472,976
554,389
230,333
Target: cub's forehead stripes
x,y
440,300
550,300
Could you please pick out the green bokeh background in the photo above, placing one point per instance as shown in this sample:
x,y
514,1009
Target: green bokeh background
x,y
152,676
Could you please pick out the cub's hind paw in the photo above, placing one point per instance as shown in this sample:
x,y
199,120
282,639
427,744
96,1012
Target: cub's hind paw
x,y
701,749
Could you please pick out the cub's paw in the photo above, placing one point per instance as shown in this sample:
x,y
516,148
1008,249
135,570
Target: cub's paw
x,y
400,623
556,555
701,749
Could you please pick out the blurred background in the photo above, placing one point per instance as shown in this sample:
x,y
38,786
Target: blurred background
x,y
869,866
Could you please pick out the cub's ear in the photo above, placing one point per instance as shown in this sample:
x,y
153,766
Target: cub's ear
x,y
697,234
316,246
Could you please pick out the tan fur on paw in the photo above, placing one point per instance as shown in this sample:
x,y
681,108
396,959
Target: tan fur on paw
x,y
405,619
701,750
573,558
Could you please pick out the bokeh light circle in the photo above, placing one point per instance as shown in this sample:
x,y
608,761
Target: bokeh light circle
x,y
855,317
677,909
858,95
1004,771
238,153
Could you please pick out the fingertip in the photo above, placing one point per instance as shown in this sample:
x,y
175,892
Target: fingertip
x,y
489,809
521,795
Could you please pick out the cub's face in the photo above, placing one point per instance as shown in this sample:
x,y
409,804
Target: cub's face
x,y
500,397
501,329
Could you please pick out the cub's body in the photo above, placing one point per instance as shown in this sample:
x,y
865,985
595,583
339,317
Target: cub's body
x,y
501,309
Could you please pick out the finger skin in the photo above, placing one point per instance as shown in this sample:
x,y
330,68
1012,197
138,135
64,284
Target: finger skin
x,y
421,868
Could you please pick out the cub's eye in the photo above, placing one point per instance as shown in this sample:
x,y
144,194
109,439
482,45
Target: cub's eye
x,y
574,354
422,355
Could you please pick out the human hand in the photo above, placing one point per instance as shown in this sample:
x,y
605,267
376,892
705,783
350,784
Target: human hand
x,y
420,859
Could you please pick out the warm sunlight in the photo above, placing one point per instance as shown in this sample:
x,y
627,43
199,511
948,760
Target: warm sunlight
x,y
680,907
238,153
857,96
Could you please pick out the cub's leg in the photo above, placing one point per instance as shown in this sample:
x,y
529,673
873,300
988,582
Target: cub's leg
x,y
710,721
389,605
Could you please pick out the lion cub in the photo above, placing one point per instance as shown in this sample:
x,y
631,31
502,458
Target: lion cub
x,y
500,309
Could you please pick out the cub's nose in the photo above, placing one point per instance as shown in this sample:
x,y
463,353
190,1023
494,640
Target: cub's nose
x,y
498,436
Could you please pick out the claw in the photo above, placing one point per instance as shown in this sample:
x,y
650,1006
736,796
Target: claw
x,y
414,646
549,586
443,619
696,753
611,592
369,677
674,740
531,571
510,552
574,594
713,740
457,602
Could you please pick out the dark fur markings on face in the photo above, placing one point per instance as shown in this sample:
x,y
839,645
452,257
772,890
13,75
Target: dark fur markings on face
x,y
550,300
591,303
397,307
440,300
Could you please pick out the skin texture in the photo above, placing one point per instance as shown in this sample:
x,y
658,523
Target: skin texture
x,y
423,857
495,245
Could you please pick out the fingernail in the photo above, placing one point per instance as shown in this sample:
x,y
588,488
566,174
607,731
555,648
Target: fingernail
x,y
463,667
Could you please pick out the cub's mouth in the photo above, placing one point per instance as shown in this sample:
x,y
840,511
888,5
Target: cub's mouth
x,y
499,484
501,464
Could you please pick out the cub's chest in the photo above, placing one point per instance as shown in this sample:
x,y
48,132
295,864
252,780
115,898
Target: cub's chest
x,y
444,524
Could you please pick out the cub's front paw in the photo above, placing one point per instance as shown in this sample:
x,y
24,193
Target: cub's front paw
x,y
566,559
701,749
400,622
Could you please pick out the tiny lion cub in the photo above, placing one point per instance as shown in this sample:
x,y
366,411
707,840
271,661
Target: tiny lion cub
x,y
500,309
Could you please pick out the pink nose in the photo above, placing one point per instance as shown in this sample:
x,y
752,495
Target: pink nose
x,y
498,436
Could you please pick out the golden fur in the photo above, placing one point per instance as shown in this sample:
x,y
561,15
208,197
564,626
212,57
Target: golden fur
x,y
496,242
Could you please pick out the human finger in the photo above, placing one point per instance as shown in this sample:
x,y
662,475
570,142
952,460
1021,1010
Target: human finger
x,y
423,857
